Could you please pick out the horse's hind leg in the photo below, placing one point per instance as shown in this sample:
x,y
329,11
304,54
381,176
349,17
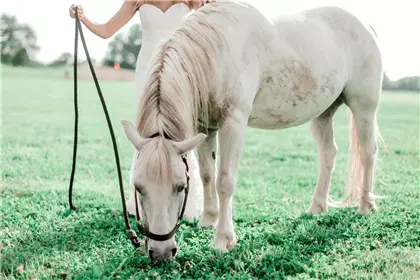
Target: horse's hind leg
x,y
363,98
365,130
322,132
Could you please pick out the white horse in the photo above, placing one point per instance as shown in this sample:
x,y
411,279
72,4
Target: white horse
x,y
228,67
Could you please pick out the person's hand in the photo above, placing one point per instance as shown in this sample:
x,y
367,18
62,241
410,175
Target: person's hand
x,y
72,11
204,2
207,2
197,4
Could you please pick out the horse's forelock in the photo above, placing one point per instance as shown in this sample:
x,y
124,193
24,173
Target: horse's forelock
x,y
159,166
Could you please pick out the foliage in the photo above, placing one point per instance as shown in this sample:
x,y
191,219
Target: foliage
x,y
405,84
64,59
41,239
18,41
124,48
20,58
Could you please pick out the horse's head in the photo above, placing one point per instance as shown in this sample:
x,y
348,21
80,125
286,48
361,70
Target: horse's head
x,y
161,179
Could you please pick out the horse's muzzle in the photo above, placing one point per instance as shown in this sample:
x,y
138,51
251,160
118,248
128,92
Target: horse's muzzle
x,y
165,255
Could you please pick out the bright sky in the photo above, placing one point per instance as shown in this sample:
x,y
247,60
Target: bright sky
x,y
396,22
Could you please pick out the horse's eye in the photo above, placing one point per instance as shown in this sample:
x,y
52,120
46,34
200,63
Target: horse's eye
x,y
140,189
180,187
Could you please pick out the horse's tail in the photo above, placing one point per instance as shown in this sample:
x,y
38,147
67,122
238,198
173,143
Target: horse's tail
x,y
354,182
374,31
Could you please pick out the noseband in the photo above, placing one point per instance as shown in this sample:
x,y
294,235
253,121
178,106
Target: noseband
x,y
143,229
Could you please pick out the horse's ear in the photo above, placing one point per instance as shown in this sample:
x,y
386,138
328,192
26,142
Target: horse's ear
x,y
132,135
189,144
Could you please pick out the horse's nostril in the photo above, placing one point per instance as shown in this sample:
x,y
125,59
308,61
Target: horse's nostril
x,y
166,255
174,251
151,254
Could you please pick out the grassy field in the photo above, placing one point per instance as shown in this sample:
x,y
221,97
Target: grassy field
x,y
41,239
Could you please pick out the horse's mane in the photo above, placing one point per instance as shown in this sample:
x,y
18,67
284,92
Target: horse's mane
x,y
182,75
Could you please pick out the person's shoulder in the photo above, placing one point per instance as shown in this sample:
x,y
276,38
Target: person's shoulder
x,y
135,4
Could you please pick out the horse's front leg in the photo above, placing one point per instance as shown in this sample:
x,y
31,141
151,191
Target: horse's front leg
x,y
231,141
207,161
131,202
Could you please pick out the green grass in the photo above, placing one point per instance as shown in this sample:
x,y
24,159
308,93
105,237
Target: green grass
x,y
40,238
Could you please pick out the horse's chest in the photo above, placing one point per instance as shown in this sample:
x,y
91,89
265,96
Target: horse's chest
x,y
291,97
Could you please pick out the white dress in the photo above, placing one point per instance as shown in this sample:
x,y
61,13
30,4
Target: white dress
x,y
156,26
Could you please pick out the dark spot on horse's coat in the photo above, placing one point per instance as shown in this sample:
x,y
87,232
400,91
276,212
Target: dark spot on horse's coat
x,y
219,112
294,103
354,35
301,78
225,111
270,80
280,119
330,83
206,179
213,155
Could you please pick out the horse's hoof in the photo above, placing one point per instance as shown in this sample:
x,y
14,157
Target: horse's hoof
x,y
316,208
208,221
224,242
366,207
190,218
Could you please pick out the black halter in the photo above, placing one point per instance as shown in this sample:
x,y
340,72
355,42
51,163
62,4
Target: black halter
x,y
143,229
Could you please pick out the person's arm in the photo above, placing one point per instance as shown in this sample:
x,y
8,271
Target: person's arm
x,y
105,31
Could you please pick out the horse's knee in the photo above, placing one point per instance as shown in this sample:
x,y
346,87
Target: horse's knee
x,y
226,184
207,173
205,178
368,154
368,146
329,155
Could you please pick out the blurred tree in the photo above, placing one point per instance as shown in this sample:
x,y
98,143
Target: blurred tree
x,y
406,83
64,59
21,58
124,49
18,41
387,83
409,84
114,50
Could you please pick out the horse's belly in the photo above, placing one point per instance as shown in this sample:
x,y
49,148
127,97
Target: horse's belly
x,y
292,93
277,110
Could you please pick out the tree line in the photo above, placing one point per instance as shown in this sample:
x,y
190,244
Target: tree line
x,y
19,47
18,42
407,83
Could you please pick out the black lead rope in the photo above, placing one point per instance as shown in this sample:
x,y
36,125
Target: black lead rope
x,y
76,115
131,233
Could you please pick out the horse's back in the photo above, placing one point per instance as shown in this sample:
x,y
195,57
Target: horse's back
x,y
357,38
360,45
307,60
288,69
